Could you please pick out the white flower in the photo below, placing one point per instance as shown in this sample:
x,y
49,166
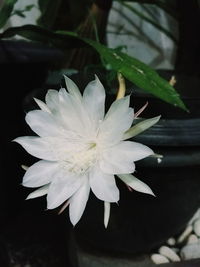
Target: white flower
x,y
80,148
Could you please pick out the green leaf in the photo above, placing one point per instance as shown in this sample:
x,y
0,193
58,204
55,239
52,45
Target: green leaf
x,y
39,34
131,68
49,11
6,11
139,73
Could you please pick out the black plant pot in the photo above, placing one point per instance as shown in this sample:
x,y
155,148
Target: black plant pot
x,y
140,222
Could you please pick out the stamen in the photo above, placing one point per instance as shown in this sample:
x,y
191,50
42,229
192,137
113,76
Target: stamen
x,y
80,162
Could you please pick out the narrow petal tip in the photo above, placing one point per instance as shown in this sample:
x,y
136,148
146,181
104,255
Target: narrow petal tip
x,y
96,77
19,139
28,197
151,193
106,213
73,222
24,167
39,192
15,140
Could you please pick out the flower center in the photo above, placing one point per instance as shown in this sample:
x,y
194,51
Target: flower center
x,y
81,161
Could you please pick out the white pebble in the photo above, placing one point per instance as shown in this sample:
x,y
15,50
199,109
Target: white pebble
x,y
169,253
171,241
192,239
188,230
159,259
196,227
191,251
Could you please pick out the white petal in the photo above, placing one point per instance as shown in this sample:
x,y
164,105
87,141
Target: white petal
x,y
72,88
42,123
113,131
140,127
78,202
37,147
40,173
53,148
106,213
52,101
131,151
116,165
118,107
119,158
42,105
39,192
62,188
73,113
69,115
64,96
117,120
135,183
103,185
94,100
67,109
135,150
116,161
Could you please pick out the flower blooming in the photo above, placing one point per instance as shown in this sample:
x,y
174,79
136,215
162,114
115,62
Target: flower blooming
x,y
80,148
